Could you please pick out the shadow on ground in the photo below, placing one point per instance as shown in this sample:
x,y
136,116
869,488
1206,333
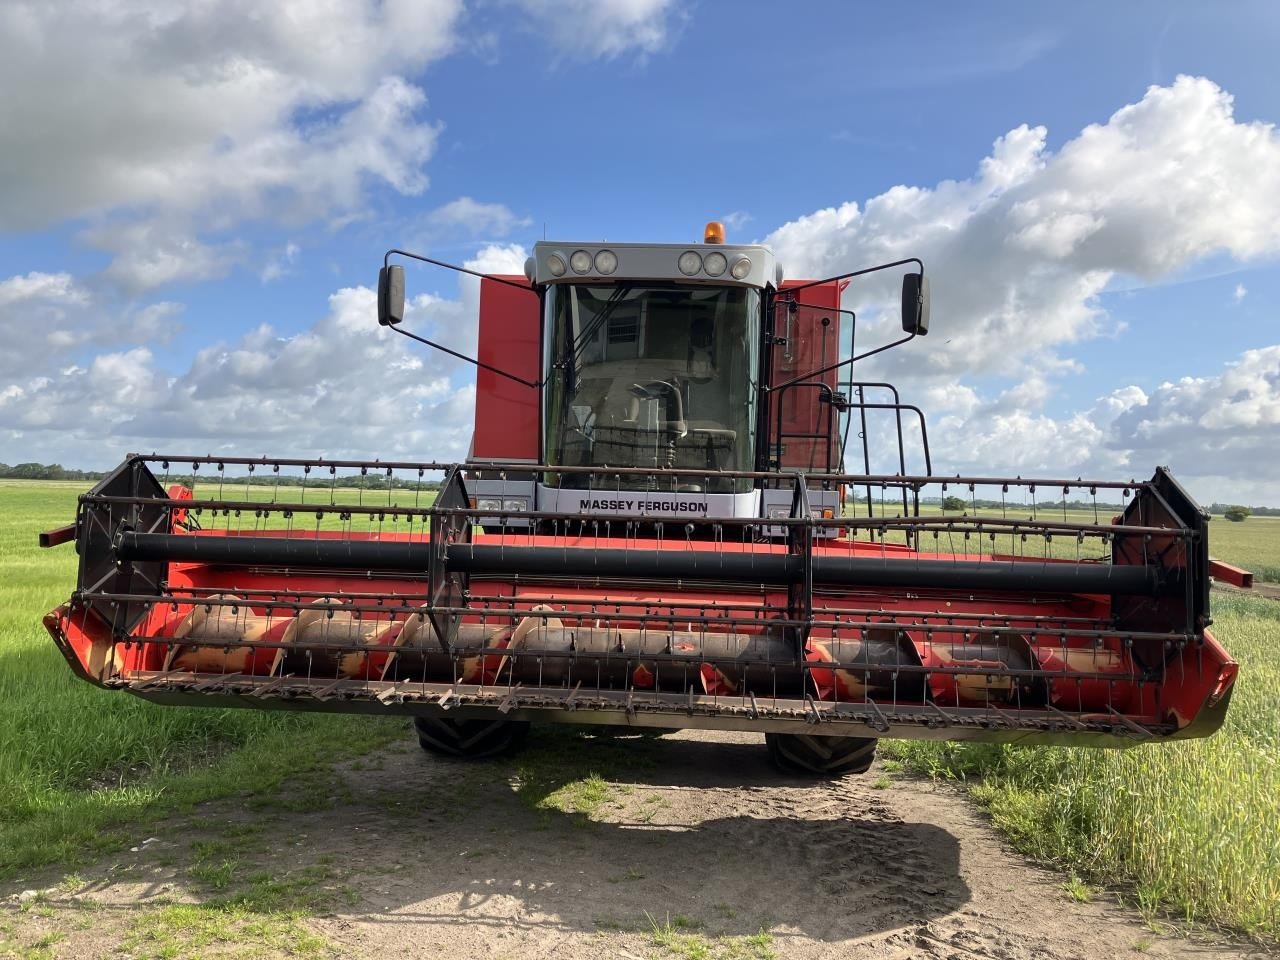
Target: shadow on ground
x,y
577,833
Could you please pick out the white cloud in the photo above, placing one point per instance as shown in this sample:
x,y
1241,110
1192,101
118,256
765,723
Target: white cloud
x,y
280,263
342,387
168,127
167,122
1217,432
499,258
604,29
1019,252
475,219
736,219
1018,255
1228,423
42,315
339,388
1241,291
49,288
153,252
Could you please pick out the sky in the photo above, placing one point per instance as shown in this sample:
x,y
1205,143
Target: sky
x,y
195,198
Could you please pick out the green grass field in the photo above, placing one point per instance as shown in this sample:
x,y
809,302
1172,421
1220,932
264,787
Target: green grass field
x,y
1189,828
1253,544
77,764
1186,828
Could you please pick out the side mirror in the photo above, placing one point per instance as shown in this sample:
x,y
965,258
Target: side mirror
x,y
915,303
391,295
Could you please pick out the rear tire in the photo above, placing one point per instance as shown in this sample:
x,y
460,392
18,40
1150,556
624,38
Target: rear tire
x,y
820,756
470,739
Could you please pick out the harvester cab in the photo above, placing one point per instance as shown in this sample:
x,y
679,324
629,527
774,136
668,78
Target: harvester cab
x,y
686,380
662,522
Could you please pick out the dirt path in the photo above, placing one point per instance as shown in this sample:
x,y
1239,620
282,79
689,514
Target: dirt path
x,y
1260,588
689,846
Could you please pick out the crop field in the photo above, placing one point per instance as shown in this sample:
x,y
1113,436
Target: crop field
x,y
1253,544
76,761
1188,829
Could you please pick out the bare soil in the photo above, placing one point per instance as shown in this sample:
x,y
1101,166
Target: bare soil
x,y
690,845
1260,588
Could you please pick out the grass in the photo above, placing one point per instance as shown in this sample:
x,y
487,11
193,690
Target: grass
x,y
1077,889
681,936
78,764
222,930
1253,544
568,771
1186,829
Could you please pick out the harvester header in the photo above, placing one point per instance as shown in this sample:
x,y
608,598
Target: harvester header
x,y
681,508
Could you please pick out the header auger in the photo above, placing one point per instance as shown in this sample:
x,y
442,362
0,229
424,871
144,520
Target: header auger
x,y
656,527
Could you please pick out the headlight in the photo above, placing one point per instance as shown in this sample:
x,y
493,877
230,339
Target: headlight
x,y
689,263
580,261
715,264
488,503
741,267
556,264
606,262
516,506
779,513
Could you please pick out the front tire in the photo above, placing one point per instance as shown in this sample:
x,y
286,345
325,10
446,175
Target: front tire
x,y
820,756
479,739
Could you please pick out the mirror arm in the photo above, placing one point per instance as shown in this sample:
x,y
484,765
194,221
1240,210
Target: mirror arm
x,y
532,384
855,273
836,366
790,292
386,262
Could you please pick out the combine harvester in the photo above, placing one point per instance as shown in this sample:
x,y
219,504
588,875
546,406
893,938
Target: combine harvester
x,y
655,527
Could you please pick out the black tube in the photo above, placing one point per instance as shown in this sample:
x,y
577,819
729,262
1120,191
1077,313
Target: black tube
x,y
645,564
775,568
335,553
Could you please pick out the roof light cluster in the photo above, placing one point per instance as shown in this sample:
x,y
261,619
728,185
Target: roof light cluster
x,y
581,262
692,263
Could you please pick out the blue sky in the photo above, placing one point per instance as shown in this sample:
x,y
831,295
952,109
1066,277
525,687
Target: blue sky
x,y
190,220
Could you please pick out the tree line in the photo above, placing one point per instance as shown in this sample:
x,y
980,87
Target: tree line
x,y
46,471
378,481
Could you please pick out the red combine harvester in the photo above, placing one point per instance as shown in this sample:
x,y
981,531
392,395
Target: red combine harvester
x,y
656,526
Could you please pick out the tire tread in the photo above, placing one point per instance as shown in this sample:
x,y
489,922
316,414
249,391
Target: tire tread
x,y
475,739
820,756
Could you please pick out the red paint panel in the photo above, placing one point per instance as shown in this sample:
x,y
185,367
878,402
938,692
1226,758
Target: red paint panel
x,y
1229,573
507,412
810,346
